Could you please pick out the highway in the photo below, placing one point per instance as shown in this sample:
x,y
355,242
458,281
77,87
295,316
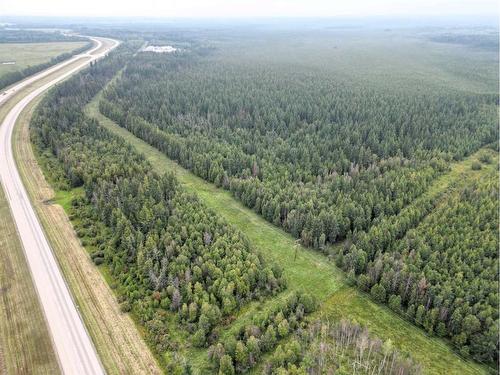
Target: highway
x,y
11,90
72,343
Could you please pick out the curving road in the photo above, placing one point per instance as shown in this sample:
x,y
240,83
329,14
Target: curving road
x,y
72,343
11,90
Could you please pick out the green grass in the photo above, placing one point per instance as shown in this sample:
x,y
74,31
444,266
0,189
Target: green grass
x,y
309,270
65,197
30,54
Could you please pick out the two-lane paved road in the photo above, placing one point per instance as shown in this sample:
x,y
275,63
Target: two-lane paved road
x,y
72,343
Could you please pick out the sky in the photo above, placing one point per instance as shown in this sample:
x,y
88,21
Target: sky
x,y
246,8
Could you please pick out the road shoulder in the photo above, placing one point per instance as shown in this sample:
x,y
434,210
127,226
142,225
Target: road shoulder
x,y
118,342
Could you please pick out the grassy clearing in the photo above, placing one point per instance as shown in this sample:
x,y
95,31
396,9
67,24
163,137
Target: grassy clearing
x,y
25,342
309,270
115,336
30,54
64,198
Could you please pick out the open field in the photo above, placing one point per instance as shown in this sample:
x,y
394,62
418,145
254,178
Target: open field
x,y
11,101
29,54
373,60
25,343
114,334
310,270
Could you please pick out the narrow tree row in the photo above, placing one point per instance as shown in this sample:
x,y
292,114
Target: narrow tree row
x,y
12,35
168,253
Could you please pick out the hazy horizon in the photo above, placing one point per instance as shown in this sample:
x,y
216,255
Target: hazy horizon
x,y
247,8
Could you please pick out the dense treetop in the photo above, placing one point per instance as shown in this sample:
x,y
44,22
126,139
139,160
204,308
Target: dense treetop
x,y
326,153
310,151
330,158
440,271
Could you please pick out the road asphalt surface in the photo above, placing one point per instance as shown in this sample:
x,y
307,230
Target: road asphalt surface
x,y
72,343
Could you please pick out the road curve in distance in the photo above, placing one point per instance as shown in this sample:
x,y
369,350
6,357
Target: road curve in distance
x,y
72,343
11,90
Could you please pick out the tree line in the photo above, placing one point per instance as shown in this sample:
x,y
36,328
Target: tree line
x,y
36,36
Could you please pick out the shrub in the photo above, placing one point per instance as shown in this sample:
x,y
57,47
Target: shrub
x,y
476,166
485,158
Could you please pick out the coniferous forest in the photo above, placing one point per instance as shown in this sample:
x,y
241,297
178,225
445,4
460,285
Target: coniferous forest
x,y
329,161
387,166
